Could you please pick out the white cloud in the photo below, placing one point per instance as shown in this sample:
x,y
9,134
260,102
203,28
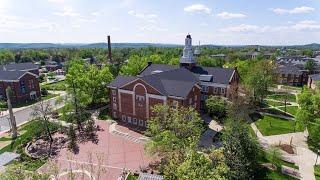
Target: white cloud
x,y
11,23
227,15
67,11
197,8
148,17
297,26
306,25
297,10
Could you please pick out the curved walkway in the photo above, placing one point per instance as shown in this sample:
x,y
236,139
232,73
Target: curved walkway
x,y
305,158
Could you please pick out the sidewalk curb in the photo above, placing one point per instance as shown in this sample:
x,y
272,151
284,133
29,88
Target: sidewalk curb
x,y
25,107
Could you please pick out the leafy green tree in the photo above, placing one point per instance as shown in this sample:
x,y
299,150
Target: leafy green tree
x,y
216,107
96,82
170,128
308,114
259,79
310,65
134,65
76,83
72,145
6,56
195,166
240,150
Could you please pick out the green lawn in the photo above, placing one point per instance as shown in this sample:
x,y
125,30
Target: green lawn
x,y
49,96
58,86
317,172
132,177
290,109
281,97
274,175
31,130
274,103
269,125
292,87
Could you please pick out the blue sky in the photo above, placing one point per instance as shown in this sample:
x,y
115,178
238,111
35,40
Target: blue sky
x,y
228,22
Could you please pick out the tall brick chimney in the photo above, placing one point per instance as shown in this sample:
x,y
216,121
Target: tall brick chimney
x,y
109,49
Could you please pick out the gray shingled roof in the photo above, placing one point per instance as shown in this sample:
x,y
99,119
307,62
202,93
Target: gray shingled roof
x,y
220,75
154,67
176,82
10,75
291,69
121,80
19,66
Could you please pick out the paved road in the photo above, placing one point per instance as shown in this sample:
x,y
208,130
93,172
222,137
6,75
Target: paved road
x,y
23,115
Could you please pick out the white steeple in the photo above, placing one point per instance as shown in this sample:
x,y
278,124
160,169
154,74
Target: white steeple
x,y
187,57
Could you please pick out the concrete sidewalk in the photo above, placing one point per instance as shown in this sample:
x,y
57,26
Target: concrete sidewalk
x,y
305,158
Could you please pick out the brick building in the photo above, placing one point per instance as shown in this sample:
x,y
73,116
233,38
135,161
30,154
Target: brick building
x,y
291,70
24,85
132,98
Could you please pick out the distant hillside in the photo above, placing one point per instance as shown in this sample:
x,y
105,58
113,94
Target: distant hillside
x,y
94,45
130,45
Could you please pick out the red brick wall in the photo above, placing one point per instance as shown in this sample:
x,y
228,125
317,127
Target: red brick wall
x,y
17,95
126,103
140,105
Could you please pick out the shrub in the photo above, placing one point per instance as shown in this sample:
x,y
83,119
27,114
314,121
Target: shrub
x,y
44,92
216,107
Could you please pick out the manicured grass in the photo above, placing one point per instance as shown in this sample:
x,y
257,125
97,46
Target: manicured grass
x,y
58,86
32,130
273,126
274,103
276,175
49,96
290,109
282,96
132,177
285,163
292,87
317,172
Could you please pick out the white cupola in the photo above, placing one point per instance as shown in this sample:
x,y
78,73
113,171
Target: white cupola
x,y
187,57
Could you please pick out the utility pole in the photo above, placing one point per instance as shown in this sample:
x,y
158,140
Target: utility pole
x,y
13,123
